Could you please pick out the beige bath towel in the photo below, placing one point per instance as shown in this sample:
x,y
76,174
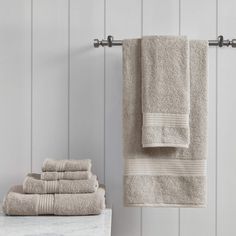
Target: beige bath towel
x,y
66,165
174,177
34,184
165,91
69,175
18,203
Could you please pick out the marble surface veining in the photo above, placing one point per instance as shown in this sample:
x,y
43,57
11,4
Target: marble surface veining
x,y
98,225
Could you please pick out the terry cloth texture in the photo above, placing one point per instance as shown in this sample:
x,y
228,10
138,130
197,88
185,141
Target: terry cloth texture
x,y
34,184
66,165
18,203
165,91
69,175
164,176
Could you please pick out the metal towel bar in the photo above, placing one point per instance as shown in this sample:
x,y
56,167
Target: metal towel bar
x,y
110,42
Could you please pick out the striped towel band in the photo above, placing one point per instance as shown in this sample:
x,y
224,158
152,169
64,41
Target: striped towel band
x,y
60,166
166,120
172,167
45,204
60,175
51,186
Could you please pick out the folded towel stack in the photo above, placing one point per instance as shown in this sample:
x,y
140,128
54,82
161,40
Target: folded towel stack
x,y
65,187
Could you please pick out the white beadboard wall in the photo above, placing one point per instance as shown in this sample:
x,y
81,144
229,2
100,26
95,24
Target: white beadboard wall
x,y
61,98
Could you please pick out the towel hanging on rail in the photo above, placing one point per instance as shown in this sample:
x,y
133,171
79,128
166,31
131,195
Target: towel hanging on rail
x,y
164,177
165,91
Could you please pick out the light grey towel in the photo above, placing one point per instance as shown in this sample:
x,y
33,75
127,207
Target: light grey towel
x,y
165,91
34,184
66,165
18,203
174,177
69,175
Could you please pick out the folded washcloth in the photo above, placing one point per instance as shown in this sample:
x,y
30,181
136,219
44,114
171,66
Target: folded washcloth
x,y
18,203
66,165
165,91
69,175
34,184
164,177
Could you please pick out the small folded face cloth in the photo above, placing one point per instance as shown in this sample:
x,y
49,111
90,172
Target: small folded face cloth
x,y
66,165
67,187
165,121
66,169
69,175
34,184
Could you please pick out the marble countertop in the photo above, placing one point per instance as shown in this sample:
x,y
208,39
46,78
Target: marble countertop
x,y
99,225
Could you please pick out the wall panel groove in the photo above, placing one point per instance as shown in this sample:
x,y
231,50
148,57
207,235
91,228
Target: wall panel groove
x,y
31,81
141,209
68,86
179,211
216,122
104,88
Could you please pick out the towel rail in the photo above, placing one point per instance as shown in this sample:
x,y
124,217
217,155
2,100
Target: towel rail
x,y
110,42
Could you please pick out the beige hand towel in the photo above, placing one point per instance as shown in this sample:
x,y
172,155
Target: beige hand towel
x,y
34,184
66,165
69,175
165,91
174,177
18,203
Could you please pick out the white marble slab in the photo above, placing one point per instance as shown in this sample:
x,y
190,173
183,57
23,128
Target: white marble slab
x,y
99,225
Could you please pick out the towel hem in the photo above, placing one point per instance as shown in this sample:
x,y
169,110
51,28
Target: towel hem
x,y
166,145
166,205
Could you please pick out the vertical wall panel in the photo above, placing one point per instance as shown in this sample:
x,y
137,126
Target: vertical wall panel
x,y
226,122
87,83
123,20
15,83
50,80
198,21
160,18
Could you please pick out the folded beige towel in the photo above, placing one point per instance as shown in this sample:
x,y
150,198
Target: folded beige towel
x,y
66,165
34,184
174,177
69,175
18,203
165,91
